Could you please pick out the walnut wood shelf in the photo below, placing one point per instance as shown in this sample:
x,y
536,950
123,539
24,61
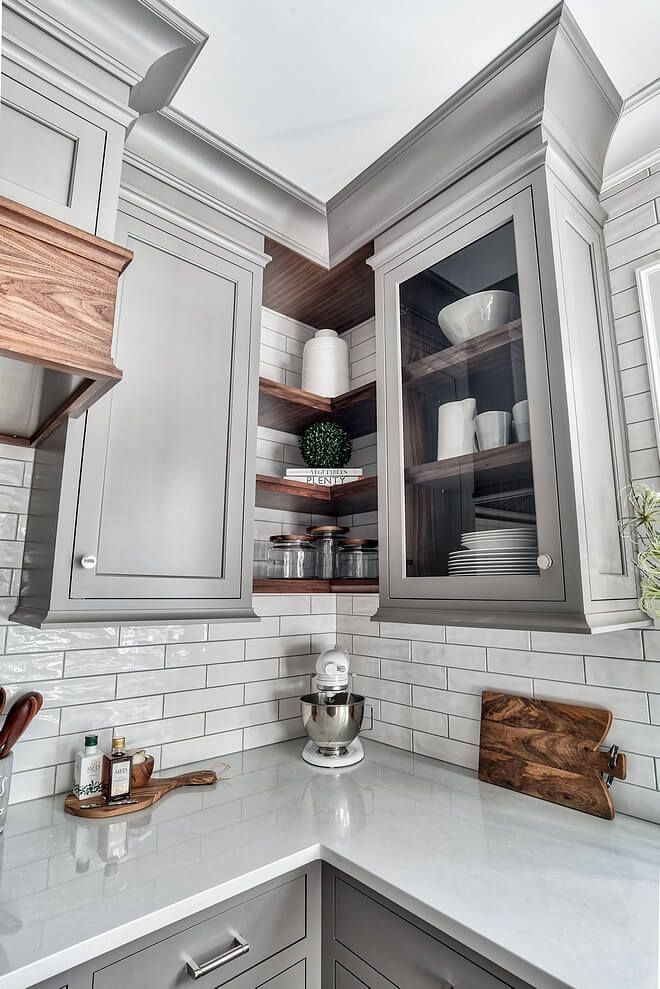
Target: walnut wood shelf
x,y
292,409
58,287
338,586
479,353
296,496
505,463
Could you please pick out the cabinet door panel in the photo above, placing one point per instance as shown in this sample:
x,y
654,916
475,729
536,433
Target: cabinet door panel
x,y
50,158
293,978
400,951
163,475
345,980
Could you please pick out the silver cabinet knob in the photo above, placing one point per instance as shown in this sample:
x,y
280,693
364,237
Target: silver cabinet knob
x,y
544,562
88,562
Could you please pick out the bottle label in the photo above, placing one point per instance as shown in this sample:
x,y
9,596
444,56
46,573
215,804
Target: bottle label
x,y
88,777
120,779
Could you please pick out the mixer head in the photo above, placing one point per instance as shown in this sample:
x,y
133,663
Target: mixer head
x,y
332,670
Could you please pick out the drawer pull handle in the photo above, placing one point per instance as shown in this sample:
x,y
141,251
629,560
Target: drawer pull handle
x,y
239,947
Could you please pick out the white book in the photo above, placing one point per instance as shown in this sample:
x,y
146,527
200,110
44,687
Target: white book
x,y
325,476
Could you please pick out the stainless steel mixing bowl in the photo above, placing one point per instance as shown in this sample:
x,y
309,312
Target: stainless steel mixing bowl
x,y
332,726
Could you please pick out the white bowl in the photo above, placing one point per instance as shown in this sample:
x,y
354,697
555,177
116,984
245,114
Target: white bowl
x,y
477,314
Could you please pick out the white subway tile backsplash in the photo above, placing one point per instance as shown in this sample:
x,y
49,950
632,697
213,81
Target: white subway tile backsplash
x,y
396,735
425,633
446,749
301,624
631,705
62,693
91,717
474,682
160,681
550,666
129,659
257,669
614,673
426,676
245,716
278,731
205,653
32,785
262,628
447,701
144,635
267,690
371,645
20,638
282,645
386,690
205,747
21,668
411,717
282,604
210,699
627,644
501,637
460,657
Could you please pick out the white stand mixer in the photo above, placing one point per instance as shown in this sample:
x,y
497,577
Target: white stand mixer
x,y
332,716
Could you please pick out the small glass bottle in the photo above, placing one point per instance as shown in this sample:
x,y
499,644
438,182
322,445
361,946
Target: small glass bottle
x,y
117,772
88,770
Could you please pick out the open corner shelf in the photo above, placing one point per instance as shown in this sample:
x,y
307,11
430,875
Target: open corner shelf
x,y
292,409
479,353
317,499
507,463
338,586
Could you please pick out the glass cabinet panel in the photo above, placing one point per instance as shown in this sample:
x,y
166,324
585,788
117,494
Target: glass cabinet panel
x,y
468,485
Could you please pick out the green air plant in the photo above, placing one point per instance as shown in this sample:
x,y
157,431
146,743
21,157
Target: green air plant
x,y
325,444
642,527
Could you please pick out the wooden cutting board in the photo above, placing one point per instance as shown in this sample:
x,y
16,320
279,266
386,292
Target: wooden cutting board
x,y
146,796
548,750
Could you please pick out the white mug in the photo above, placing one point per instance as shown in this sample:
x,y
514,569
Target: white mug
x,y
456,428
493,429
521,421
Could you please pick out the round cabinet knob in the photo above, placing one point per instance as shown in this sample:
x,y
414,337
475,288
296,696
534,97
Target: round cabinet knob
x,y
88,562
544,562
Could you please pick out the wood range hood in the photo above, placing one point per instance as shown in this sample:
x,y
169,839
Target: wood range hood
x,y
58,287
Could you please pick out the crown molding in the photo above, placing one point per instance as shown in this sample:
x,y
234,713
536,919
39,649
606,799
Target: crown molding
x,y
158,207
165,146
532,83
146,46
242,158
635,144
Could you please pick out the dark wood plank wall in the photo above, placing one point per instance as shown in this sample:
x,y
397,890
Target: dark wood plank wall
x,y
337,299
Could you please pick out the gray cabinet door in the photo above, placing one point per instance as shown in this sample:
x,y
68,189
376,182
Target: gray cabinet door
x,y
163,486
51,159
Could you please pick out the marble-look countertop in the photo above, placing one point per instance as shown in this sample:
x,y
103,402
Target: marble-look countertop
x,y
553,896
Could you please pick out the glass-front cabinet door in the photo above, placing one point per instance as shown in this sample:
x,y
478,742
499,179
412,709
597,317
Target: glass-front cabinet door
x,y
471,482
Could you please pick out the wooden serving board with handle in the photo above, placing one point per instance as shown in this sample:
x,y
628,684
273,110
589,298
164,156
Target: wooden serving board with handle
x,y
145,796
549,750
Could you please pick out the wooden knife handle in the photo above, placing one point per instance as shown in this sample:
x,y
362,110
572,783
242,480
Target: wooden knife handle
x,y
18,718
601,762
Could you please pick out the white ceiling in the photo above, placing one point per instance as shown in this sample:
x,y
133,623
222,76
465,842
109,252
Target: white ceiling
x,y
318,89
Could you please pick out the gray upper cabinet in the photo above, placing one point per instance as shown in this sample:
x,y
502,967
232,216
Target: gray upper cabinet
x,y
502,453
51,158
163,482
143,511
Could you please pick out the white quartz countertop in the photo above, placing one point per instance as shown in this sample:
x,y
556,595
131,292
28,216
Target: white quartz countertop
x,y
553,896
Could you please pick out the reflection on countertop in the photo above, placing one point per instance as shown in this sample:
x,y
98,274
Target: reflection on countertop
x,y
555,897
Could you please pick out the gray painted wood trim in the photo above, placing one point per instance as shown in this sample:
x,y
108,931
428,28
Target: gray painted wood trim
x,y
543,69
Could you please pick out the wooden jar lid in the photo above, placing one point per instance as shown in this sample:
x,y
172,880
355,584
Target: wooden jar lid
x,y
357,543
289,537
324,530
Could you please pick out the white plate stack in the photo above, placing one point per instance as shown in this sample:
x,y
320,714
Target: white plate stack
x,y
496,552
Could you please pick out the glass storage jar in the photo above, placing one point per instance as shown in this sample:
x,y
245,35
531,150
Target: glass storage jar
x,y
358,559
326,543
291,557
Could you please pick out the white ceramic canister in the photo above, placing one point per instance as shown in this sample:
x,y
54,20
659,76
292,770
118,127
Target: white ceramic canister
x,y
325,368
456,428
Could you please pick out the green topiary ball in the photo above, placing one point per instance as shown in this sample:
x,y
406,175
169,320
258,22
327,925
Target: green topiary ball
x,y
325,444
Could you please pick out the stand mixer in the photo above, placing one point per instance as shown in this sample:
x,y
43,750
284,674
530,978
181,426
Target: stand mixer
x,y
332,717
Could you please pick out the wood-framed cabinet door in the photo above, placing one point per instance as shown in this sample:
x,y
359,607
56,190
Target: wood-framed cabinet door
x,y
472,505
164,488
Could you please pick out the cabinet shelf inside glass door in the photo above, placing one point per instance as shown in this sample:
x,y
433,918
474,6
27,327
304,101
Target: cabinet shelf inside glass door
x,y
469,486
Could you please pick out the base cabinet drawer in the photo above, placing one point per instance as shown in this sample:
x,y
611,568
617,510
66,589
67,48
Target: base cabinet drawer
x,y
293,978
268,924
